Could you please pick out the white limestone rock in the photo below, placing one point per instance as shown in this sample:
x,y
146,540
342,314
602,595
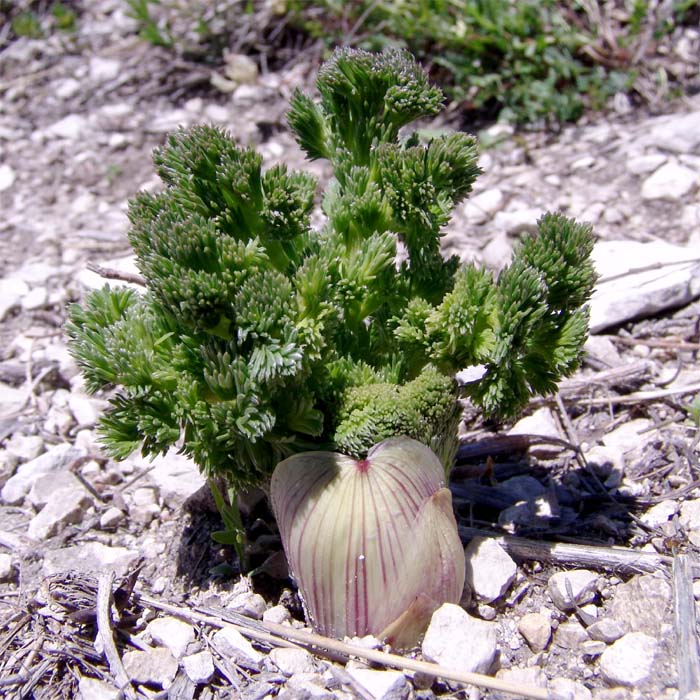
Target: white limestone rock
x,y
642,604
459,641
7,177
176,477
66,506
678,133
671,181
8,571
71,127
640,279
290,661
277,614
249,604
89,558
606,630
95,689
230,643
382,685
660,513
172,633
568,688
11,292
199,667
645,164
53,460
630,660
490,571
583,585
155,666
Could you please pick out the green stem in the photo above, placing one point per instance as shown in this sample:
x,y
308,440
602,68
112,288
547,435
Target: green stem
x,y
234,532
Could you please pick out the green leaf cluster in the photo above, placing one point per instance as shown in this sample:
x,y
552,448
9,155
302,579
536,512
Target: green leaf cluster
x,y
259,336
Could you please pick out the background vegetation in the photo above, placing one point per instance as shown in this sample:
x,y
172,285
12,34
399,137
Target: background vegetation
x,y
531,61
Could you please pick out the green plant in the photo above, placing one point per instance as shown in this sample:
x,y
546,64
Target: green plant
x,y
27,24
141,11
64,17
258,337
526,61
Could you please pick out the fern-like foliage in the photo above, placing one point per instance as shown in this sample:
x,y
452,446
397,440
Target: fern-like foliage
x,y
258,336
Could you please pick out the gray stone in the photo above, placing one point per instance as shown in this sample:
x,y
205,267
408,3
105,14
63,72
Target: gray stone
x,y
309,685
37,298
536,629
71,127
481,207
66,88
7,177
86,410
583,585
678,133
7,568
583,163
103,70
155,666
172,633
239,68
643,604
516,222
290,661
89,557
12,401
690,519
603,349
568,688
659,513
490,571
459,641
498,252
630,660
66,506
47,485
277,614
530,677
627,436
671,181
199,667
112,518
177,478
25,447
382,685
54,459
95,689
640,279
570,635
165,122
11,292
249,604
230,643
645,164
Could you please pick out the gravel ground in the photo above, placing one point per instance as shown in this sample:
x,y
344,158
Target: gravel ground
x,y
582,522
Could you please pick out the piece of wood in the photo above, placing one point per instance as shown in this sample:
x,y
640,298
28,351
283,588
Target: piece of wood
x,y
104,629
684,619
621,559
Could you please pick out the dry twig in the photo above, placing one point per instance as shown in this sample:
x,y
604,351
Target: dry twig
x,y
112,274
619,559
104,628
685,624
